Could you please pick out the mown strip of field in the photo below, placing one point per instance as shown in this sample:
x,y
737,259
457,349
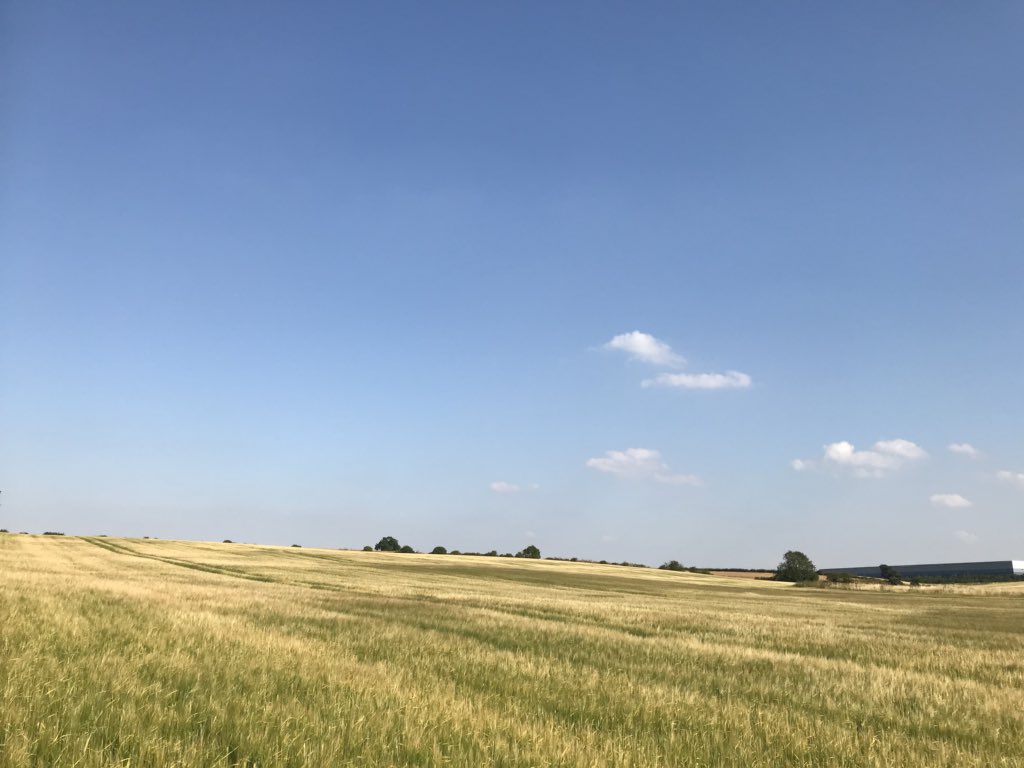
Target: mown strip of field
x,y
144,652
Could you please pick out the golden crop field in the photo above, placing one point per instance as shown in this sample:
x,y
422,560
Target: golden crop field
x,y
164,653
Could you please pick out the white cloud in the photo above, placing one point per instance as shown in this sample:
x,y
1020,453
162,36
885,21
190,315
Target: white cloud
x,y
953,500
642,464
884,456
646,348
800,465
727,380
902,448
500,486
1017,478
965,536
964,449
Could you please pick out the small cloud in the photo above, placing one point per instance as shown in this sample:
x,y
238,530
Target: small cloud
x,y
646,348
965,536
902,448
800,465
727,380
964,449
641,464
500,486
884,456
952,500
1017,478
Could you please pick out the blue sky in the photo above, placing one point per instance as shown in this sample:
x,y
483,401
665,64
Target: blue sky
x,y
328,273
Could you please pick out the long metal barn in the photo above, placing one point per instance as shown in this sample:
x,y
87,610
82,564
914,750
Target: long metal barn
x,y
988,569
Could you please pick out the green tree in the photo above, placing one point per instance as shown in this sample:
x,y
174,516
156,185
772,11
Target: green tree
x,y
439,551
672,565
796,566
890,574
388,544
407,549
529,551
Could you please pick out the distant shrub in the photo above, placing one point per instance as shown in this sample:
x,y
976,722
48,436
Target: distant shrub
x,y
388,544
530,552
439,551
915,582
507,554
455,552
890,574
53,533
227,541
407,549
492,553
4,530
367,548
297,545
672,565
839,578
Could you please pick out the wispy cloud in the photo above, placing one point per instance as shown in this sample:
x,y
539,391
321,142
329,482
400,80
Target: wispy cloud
x,y
952,500
964,449
966,536
646,348
884,456
640,464
500,486
727,380
649,349
1017,478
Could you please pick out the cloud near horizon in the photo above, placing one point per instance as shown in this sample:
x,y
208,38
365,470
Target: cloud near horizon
x,y
646,348
952,500
884,456
640,464
966,536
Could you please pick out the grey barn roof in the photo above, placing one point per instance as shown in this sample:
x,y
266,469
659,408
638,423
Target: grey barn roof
x,y
943,570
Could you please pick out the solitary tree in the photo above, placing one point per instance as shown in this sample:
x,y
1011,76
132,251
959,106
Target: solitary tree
x,y
890,574
672,565
439,551
529,551
796,566
407,549
388,544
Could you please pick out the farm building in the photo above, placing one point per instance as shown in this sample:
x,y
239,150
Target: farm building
x,y
992,569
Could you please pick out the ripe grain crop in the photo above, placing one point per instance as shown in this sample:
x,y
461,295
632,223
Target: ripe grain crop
x,y
117,652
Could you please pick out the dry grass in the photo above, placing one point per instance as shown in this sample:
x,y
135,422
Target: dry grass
x,y
745,574
157,653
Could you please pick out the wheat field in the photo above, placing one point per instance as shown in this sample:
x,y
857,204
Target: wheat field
x,y
129,652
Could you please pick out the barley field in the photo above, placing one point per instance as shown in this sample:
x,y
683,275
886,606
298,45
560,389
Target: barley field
x,y
118,652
